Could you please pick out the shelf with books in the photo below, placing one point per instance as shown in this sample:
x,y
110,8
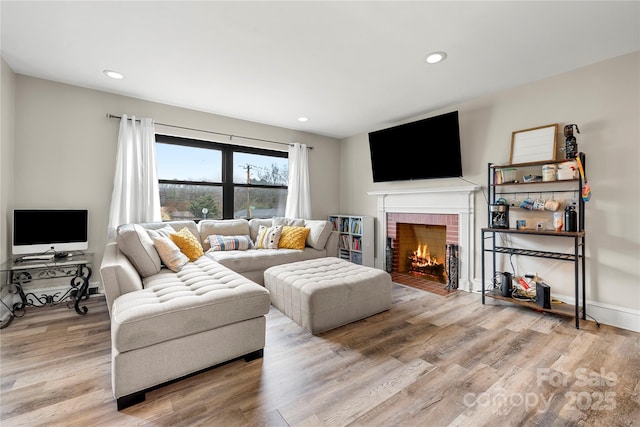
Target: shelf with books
x,y
356,241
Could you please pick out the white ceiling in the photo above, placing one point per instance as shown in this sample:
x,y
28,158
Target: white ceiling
x,y
351,67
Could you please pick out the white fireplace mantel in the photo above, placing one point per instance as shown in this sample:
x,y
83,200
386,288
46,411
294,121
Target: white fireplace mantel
x,y
456,200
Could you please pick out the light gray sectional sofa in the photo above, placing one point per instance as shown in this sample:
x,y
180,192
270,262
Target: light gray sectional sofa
x,y
168,324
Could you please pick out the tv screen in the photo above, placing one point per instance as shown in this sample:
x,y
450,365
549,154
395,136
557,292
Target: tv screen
x,y
41,230
425,149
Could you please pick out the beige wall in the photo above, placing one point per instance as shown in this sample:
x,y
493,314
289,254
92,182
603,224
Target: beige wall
x,y
7,111
603,99
65,148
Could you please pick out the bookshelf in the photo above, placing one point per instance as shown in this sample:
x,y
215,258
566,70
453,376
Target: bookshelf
x,y
356,240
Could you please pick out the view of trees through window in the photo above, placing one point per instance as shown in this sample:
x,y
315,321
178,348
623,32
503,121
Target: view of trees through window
x,y
184,201
200,180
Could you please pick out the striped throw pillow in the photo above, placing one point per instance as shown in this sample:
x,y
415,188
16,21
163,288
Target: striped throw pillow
x,y
220,242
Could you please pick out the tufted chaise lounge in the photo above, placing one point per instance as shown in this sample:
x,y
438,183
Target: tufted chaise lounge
x,y
181,324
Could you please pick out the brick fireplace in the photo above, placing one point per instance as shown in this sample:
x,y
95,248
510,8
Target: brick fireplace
x,y
448,210
422,237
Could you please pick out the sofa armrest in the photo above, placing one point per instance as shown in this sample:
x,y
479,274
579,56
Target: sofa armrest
x,y
118,275
332,244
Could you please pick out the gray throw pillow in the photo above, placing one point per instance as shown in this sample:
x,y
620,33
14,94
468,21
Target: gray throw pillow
x,y
134,242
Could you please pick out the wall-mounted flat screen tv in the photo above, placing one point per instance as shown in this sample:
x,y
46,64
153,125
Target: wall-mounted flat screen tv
x,y
43,230
424,149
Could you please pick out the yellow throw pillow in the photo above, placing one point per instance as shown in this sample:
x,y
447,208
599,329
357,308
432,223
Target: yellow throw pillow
x,y
293,237
188,244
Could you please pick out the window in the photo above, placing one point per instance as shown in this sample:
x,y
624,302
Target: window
x,y
200,179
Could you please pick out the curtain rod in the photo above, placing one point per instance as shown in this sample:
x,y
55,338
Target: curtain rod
x,y
113,116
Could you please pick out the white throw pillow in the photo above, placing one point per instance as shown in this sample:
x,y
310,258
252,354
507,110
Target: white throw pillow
x,y
254,226
319,234
164,231
268,237
170,254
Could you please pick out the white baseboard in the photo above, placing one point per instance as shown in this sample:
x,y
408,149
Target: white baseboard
x,y
606,314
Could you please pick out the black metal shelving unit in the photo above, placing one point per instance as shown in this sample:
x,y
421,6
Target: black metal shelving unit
x,y
577,256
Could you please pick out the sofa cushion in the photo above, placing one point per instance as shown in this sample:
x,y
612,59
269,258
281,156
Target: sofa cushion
x,y
293,222
319,233
293,237
268,237
170,254
202,296
219,242
134,242
176,225
225,227
188,244
261,259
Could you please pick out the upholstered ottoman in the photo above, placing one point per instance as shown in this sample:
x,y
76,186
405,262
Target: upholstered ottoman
x,y
324,293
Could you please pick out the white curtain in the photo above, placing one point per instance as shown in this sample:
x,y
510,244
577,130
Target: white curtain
x,y
298,195
135,197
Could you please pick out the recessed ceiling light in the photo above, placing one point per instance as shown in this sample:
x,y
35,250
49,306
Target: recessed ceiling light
x,y
435,57
113,74
303,119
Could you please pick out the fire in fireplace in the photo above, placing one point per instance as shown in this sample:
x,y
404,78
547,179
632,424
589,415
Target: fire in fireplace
x,y
421,262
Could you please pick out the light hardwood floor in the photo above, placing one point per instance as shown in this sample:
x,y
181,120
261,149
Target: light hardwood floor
x,y
429,361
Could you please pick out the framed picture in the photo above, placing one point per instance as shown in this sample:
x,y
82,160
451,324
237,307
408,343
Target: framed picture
x,y
534,145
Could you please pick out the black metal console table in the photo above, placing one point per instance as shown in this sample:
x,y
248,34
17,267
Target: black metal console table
x,y
20,272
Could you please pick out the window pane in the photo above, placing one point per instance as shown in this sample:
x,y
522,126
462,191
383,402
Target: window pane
x,y
262,202
186,202
259,169
184,163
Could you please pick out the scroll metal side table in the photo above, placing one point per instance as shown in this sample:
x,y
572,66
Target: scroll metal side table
x,y
20,272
